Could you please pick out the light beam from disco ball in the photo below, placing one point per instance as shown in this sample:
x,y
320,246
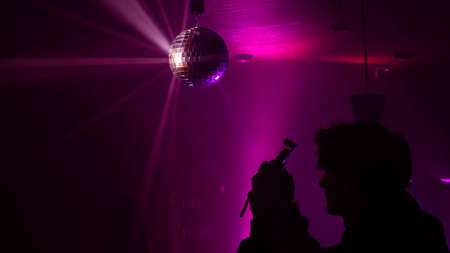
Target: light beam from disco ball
x,y
199,57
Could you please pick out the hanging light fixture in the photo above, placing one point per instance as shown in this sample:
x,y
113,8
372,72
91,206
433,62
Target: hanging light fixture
x,y
366,106
198,56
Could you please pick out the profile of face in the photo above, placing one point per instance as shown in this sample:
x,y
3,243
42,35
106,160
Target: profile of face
x,y
341,193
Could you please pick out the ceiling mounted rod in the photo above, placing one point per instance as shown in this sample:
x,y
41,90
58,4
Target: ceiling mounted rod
x,y
197,7
364,32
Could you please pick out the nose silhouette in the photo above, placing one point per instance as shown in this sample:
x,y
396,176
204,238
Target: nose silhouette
x,y
322,181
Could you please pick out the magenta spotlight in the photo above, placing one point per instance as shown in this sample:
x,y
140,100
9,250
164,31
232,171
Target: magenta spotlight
x,y
445,180
199,57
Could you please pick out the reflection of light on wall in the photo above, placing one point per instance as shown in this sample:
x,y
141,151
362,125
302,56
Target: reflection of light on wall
x,y
269,42
445,180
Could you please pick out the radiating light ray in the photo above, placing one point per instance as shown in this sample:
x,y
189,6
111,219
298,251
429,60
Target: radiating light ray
x,y
156,147
90,24
114,106
185,15
174,231
166,20
155,151
172,121
157,142
147,183
76,62
133,13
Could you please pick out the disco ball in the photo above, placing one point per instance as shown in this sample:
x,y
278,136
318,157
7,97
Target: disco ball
x,y
199,57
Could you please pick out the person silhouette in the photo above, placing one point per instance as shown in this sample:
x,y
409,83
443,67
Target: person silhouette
x,y
366,171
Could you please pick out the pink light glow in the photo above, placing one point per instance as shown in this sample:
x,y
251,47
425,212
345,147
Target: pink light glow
x,y
445,180
77,62
133,13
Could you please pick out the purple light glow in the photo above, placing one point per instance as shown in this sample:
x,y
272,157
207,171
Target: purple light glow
x,y
269,42
445,180
256,29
